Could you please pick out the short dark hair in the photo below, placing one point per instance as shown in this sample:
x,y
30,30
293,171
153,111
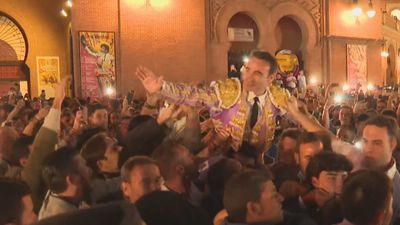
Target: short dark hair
x,y
220,172
365,194
57,166
308,137
20,149
389,113
106,47
132,162
268,58
292,133
362,117
11,205
327,161
92,108
384,122
167,157
242,188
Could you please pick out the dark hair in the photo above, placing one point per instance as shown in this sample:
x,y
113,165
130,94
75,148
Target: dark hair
x,y
106,47
364,195
242,188
268,58
57,166
362,117
389,113
168,157
220,173
92,108
11,205
308,137
327,161
384,122
20,149
292,133
132,162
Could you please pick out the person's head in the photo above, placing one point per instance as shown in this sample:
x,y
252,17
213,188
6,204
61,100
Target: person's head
x,y
98,116
22,148
389,113
5,109
327,171
220,172
43,91
259,72
346,133
7,138
100,151
360,121
67,118
381,105
140,175
105,48
288,144
309,145
65,173
176,163
251,197
16,204
379,140
367,198
360,107
346,115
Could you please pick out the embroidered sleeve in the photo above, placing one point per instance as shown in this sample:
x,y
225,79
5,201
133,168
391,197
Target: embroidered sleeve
x,y
220,94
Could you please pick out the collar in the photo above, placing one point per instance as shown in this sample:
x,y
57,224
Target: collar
x,y
261,98
391,169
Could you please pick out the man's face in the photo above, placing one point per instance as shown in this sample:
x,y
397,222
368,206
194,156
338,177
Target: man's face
x,y
143,179
99,118
28,216
288,148
330,182
345,116
269,206
306,152
380,106
377,147
111,156
255,75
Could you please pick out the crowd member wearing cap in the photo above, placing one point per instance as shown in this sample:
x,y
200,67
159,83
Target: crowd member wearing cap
x,y
140,175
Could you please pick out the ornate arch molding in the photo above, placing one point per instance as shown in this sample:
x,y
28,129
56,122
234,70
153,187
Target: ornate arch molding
x,y
222,10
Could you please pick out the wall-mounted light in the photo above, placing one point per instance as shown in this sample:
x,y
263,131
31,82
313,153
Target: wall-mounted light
x,y
68,3
357,11
63,13
371,11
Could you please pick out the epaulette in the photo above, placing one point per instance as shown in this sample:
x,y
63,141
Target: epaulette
x,y
279,97
228,92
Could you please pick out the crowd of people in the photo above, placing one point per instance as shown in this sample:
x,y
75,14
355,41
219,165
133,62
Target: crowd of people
x,y
235,152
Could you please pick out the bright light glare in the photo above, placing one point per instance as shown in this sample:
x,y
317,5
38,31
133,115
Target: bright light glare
x,y
63,13
109,91
69,3
339,98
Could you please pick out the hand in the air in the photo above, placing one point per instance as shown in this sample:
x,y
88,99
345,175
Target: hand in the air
x,y
292,106
150,81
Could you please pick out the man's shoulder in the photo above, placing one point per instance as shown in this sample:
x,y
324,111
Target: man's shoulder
x,y
228,91
279,97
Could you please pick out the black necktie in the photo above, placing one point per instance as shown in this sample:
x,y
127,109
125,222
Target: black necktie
x,y
254,113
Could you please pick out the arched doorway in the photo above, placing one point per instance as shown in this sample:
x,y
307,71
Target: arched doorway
x,y
391,67
243,36
289,36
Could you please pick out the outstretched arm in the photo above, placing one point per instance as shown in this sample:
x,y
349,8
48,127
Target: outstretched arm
x,y
177,93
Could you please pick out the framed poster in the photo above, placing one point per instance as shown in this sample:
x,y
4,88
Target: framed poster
x,y
48,74
356,65
97,63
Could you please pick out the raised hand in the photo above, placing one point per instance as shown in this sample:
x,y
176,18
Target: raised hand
x,y
42,113
150,81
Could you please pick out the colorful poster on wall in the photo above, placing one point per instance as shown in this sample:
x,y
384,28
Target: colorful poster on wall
x,y
357,65
48,74
97,61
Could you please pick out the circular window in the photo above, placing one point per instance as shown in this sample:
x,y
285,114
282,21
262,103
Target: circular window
x,y
13,37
